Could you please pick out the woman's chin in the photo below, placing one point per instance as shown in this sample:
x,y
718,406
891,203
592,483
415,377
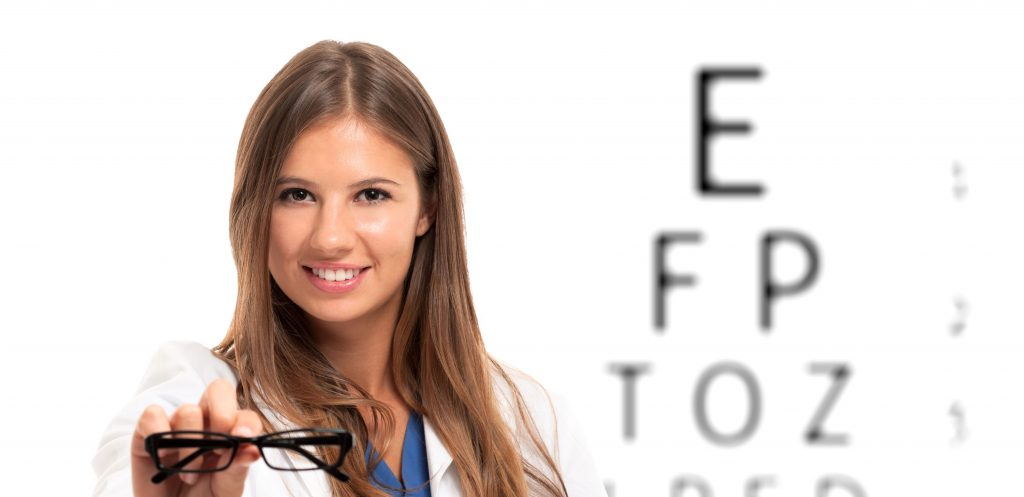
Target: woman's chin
x,y
334,317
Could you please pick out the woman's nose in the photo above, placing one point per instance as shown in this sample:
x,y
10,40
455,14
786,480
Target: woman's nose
x,y
333,231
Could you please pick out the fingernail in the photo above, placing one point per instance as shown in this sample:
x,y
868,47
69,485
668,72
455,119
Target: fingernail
x,y
244,431
189,478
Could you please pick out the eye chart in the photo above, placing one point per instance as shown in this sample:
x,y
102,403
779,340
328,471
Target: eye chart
x,y
793,257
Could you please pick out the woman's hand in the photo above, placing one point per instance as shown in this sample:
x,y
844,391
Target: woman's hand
x,y
217,411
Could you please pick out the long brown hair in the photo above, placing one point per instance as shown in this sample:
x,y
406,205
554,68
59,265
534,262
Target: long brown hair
x,y
439,362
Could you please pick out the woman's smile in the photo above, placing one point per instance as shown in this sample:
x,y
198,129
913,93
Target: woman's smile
x,y
336,281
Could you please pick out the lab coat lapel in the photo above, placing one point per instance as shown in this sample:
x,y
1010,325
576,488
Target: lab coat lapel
x,y
438,461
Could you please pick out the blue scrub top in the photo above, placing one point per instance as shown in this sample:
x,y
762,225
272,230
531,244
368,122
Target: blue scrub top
x,y
414,462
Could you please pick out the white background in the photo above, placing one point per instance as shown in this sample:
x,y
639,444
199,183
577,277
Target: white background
x,y
573,129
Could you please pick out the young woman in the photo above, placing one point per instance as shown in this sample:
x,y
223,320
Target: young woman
x,y
354,312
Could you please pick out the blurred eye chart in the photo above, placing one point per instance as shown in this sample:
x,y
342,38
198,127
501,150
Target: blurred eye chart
x,y
763,249
794,254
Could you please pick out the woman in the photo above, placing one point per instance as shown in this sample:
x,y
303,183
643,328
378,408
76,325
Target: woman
x,y
354,311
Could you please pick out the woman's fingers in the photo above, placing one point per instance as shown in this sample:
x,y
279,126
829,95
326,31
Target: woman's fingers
x,y
153,419
188,417
231,481
220,405
247,424
217,411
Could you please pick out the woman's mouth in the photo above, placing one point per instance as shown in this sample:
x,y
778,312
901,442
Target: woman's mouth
x,y
336,280
336,274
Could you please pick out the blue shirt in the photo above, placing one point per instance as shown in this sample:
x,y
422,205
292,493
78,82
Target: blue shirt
x,y
414,463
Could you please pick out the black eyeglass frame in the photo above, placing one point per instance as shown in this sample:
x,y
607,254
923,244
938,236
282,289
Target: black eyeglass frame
x,y
331,436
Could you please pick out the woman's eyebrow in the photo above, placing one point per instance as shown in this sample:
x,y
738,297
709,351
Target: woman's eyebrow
x,y
361,183
370,181
293,179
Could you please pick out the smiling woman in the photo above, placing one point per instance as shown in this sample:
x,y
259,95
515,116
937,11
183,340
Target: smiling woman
x,y
351,226
353,314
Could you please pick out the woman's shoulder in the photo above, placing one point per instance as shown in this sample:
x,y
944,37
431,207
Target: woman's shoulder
x,y
509,382
187,357
556,426
178,373
545,408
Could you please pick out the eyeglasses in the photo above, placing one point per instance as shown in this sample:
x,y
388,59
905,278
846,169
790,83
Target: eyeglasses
x,y
291,450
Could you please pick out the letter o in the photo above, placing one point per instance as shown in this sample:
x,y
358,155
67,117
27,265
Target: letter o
x,y
700,398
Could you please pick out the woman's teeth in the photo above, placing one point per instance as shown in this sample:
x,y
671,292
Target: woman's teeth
x,y
336,275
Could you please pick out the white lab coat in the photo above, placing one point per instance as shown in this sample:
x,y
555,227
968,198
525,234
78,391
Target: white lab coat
x,y
180,371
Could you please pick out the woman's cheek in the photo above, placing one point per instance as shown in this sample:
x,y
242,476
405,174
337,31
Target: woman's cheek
x,y
389,222
381,237
386,232
286,231
374,226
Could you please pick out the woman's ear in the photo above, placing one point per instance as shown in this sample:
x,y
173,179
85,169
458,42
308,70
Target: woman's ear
x,y
426,219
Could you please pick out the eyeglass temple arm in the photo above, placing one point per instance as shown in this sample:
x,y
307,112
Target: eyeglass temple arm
x,y
163,474
335,472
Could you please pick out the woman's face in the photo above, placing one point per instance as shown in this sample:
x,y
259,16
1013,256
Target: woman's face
x,y
347,199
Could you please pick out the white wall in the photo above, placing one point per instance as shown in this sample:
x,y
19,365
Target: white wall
x,y
574,131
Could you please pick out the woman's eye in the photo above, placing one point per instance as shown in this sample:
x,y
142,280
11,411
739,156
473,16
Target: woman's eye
x,y
294,195
373,195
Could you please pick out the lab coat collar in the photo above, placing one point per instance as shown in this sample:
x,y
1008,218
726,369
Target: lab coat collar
x,y
438,458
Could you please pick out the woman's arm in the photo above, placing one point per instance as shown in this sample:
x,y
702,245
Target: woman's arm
x,y
177,374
